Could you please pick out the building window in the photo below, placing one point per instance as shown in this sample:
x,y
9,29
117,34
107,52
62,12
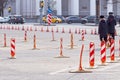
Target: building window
x,y
84,7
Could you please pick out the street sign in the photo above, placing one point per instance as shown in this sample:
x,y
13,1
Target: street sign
x,y
49,10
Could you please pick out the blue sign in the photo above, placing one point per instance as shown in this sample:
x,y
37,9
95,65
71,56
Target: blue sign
x,y
49,10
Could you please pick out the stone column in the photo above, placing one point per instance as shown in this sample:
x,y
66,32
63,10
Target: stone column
x,y
74,7
109,6
18,7
92,7
59,7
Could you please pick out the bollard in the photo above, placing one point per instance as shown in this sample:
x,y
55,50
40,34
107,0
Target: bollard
x,y
112,50
57,30
92,55
52,29
61,50
75,30
23,28
31,29
47,29
82,35
119,47
103,52
108,41
92,32
80,69
70,30
85,31
35,29
25,36
61,47
79,31
42,29
72,44
12,48
34,41
95,32
27,28
49,17
53,36
63,30
5,40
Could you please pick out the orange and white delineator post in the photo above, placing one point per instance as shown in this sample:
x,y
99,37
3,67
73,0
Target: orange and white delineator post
x,y
63,31
82,35
61,47
53,39
49,17
103,52
119,47
80,68
12,48
42,29
108,41
71,40
34,41
25,36
35,29
92,54
27,28
85,31
5,40
57,30
61,50
31,29
69,30
92,31
52,29
75,30
95,32
47,30
79,31
112,50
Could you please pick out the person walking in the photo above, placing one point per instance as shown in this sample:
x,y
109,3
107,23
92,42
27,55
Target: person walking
x,y
111,22
102,29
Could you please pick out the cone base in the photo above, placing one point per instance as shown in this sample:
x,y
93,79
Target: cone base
x,y
103,64
12,58
62,57
81,40
53,40
112,62
35,49
80,71
5,46
94,67
73,47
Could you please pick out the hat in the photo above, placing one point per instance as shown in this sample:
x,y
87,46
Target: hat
x,y
101,16
110,12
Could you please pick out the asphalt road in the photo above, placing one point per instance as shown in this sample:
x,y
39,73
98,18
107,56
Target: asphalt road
x,y
41,63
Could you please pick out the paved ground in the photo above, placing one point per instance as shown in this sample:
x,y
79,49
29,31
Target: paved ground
x,y
41,64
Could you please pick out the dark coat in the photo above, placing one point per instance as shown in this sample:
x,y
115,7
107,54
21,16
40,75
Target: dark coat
x,y
102,29
111,22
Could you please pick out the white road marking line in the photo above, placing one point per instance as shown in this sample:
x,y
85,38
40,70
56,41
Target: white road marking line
x,y
75,68
63,70
108,67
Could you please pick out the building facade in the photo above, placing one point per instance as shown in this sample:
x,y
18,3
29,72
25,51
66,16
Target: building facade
x,y
30,8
